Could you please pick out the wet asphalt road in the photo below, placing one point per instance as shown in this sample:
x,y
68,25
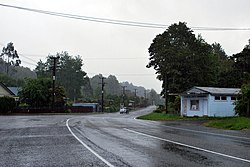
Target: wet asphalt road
x,y
117,140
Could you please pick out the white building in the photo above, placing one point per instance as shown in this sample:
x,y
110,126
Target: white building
x,y
209,101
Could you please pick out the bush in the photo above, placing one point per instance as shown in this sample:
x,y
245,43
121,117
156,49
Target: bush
x,y
7,104
111,109
243,103
158,111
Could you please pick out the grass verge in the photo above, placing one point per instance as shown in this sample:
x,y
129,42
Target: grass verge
x,y
231,123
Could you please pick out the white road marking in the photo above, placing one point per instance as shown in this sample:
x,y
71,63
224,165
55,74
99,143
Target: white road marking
x,y
197,131
189,146
210,133
87,147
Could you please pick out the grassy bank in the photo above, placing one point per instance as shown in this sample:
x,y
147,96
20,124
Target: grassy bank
x,y
232,123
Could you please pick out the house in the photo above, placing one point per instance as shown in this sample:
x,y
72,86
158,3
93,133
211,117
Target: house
x,y
209,101
6,91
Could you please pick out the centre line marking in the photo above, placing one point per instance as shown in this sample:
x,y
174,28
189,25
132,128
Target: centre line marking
x,y
87,147
189,146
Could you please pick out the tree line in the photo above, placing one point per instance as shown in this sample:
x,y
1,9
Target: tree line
x,y
73,85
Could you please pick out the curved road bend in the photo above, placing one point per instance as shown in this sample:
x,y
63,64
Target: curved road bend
x,y
117,140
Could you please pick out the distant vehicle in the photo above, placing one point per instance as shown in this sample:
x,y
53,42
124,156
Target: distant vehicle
x,y
123,110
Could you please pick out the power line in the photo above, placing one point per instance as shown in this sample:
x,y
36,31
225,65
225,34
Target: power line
x,y
87,18
27,58
114,58
122,22
28,63
135,75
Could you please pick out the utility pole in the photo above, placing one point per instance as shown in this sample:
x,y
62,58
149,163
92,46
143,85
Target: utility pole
x,y
103,84
135,98
123,95
54,79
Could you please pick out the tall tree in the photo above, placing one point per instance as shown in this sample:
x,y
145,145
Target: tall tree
x,y
181,60
10,57
95,82
242,66
86,90
69,73
242,60
112,85
42,69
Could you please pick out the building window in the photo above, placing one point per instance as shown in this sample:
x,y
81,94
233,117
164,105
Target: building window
x,y
220,98
217,98
194,104
223,97
233,98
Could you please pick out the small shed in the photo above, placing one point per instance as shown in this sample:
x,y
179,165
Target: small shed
x,y
209,101
94,107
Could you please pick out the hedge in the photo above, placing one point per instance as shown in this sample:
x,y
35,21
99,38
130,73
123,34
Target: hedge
x,y
7,104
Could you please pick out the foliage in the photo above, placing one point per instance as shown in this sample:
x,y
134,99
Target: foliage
x,y
10,81
86,90
10,57
177,104
7,104
231,123
38,93
159,116
112,85
111,109
181,60
241,65
69,73
243,103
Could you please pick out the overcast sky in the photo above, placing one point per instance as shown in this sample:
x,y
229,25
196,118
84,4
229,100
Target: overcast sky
x,y
114,49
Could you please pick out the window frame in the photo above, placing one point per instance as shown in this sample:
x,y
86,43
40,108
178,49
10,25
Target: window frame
x,y
197,105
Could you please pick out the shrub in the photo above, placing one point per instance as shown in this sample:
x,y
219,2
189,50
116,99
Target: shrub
x,y
7,104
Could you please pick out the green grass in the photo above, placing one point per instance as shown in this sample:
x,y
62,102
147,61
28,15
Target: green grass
x,y
159,117
234,123
231,123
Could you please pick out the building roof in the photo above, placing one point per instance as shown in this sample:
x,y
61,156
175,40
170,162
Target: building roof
x,y
15,90
7,89
212,90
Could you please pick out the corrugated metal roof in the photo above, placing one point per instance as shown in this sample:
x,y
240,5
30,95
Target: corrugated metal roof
x,y
213,90
15,90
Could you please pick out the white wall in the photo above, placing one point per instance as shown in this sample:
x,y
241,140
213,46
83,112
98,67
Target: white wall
x,y
217,108
192,112
221,108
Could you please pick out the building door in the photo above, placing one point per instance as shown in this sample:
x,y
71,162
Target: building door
x,y
205,107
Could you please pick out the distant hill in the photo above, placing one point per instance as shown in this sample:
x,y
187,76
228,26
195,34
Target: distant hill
x,y
114,87
17,72
140,91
